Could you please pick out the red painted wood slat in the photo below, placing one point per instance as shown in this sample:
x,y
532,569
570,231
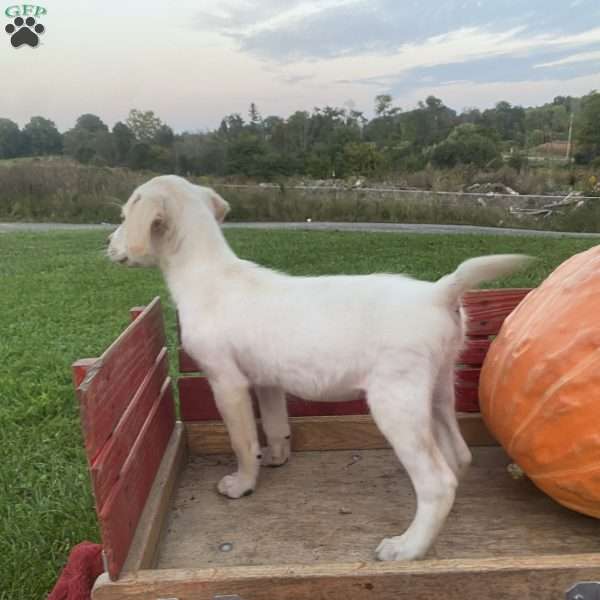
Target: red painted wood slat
x,y
197,404
475,350
121,511
113,379
106,467
487,309
186,363
80,368
135,312
466,389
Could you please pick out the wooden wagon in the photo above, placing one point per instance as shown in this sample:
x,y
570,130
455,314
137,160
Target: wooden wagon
x,y
310,529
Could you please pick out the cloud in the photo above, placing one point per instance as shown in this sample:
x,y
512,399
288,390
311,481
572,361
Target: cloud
x,y
292,79
303,29
387,45
244,20
581,57
451,56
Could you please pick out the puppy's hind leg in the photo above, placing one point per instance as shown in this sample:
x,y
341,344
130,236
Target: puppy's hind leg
x,y
274,419
401,408
235,406
447,431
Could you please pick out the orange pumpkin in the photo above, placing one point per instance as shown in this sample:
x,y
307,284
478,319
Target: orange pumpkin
x,y
540,384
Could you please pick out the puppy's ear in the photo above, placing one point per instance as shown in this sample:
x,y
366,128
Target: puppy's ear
x,y
147,217
219,206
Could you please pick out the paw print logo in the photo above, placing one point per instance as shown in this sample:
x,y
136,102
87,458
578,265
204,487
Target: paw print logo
x,y
24,31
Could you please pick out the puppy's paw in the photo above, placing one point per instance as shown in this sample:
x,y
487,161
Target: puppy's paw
x,y
236,485
277,454
398,548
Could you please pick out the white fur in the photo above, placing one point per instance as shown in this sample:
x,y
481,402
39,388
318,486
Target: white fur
x,y
322,338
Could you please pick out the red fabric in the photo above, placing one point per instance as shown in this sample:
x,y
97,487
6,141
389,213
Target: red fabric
x,y
81,571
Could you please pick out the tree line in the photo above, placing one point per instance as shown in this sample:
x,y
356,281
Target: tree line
x,y
326,142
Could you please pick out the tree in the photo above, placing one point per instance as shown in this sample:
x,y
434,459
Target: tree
x,y
90,141
254,115
430,123
140,156
41,137
535,138
275,133
200,154
298,125
467,144
232,126
124,139
471,115
104,148
588,129
245,154
164,136
362,158
10,139
78,143
144,124
383,106
91,123
569,102
508,120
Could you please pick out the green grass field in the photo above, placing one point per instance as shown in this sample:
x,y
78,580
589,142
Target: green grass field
x,y
62,300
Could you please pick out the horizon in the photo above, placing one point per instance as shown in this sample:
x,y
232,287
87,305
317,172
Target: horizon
x,y
193,63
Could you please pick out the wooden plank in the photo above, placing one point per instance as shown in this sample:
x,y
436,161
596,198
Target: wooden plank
x,y
186,363
136,311
80,369
113,380
350,432
539,577
475,350
121,511
106,467
336,506
197,403
144,546
487,309
467,389
297,407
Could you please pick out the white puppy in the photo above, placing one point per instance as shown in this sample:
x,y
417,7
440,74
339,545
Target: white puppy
x,y
391,337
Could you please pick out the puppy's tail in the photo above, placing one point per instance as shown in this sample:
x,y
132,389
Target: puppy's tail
x,y
450,288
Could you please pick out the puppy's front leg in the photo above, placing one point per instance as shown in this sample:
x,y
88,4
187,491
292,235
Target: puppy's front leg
x,y
235,406
274,419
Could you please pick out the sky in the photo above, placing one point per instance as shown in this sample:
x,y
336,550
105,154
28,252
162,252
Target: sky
x,y
194,61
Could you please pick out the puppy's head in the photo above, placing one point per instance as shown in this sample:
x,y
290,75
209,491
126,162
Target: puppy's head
x,y
157,217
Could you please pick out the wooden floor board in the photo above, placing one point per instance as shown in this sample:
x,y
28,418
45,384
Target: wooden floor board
x,y
336,506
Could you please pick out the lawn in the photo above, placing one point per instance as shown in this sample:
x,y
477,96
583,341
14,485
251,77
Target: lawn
x,y
62,300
